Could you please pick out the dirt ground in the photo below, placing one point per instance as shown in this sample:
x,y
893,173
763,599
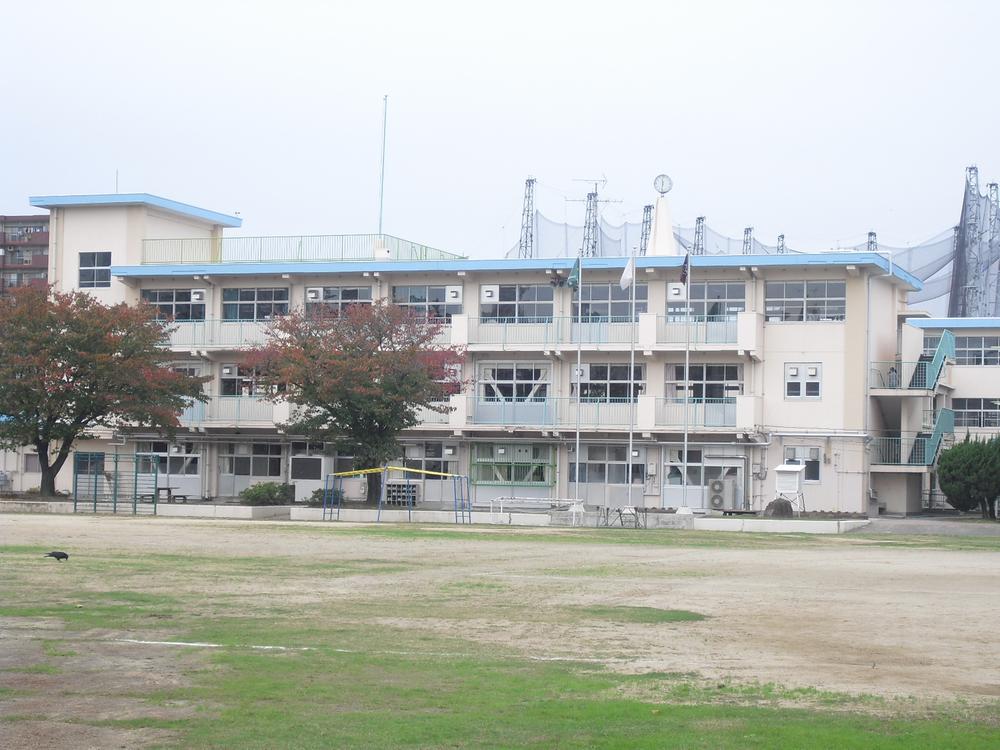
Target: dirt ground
x,y
841,614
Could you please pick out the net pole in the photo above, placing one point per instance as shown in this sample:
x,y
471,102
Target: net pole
x,y
631,386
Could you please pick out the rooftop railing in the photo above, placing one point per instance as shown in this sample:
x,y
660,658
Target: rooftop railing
x,y
294,249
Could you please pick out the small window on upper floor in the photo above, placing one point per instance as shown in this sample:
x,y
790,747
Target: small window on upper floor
x,y
803,380
95,270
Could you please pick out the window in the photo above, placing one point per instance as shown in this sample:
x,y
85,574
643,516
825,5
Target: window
x,y
698,474
31,464
976,412
336,299
238,381
707,382
431,457
712,300
257,460
803,456
162,458
607,464
931,341
520,303
306,460
977,350
805,300
608,303
425,301
526,464
89,463
610,383
174,304
95,270
254,304
803,380
514,381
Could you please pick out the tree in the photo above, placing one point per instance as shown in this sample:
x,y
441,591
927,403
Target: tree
x,y
357,379
69,364
969,475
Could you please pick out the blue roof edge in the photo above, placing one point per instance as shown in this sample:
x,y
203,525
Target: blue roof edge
x,y
131,199
515,264
954,322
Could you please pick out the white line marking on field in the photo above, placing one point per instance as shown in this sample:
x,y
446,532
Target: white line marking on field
x,y
200,644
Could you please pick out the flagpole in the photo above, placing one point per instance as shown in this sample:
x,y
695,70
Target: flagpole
x,y
631,383
579,377
687,374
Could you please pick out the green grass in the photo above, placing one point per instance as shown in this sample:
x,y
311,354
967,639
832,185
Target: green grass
x,y
640,614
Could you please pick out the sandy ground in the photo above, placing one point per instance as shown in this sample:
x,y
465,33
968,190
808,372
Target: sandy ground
x,y
841,614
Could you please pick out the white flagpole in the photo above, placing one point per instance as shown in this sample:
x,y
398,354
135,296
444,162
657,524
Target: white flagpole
x,y
631,384
687,375
579,378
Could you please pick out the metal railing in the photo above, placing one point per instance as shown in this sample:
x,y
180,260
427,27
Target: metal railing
x,y
551,411
913,450
921,375
229,410
708,412
298,249
699,329
216,333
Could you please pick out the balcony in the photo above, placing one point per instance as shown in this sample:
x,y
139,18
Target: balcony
x,y
919,450
696,413
897,377
22,239
234,411
649,332
549,412
298,249
217,334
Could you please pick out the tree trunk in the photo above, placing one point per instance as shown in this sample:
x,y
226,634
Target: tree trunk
x,y
47,488
374,487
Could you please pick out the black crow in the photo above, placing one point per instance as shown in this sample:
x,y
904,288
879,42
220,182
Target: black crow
x,y
60,556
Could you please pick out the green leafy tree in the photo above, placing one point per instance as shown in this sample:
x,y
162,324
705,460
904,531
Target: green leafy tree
x,y
359,379
969,475
70,365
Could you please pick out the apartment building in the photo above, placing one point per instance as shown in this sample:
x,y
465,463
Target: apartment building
x,y
24,251
811,360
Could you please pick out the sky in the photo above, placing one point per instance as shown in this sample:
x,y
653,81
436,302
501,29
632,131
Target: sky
x,y
819,120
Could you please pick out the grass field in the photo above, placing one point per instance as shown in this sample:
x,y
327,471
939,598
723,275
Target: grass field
x,y
199,634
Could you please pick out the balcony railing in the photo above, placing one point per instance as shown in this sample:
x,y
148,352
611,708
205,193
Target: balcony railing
x,y
551,332
217,334
298,249
708,412
548,412
913,450
229,410
699,329
920,375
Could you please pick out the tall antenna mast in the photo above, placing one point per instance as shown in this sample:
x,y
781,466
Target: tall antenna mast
x,y
699,236
590,227
748,241
381,178
526,248
647,228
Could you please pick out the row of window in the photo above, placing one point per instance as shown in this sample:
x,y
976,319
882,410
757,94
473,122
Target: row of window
x,y
516,303
976,412
969,350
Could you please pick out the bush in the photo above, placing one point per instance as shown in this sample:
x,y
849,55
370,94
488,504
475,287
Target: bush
x,y
316,499
268,493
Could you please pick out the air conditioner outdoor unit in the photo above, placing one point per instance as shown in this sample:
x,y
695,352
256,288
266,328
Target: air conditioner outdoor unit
x,y
722,494
197,295
314,294
453,294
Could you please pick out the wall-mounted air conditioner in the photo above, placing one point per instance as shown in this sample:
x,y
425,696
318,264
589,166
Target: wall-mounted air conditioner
x,y
453,294
581,373
489,294
314,294
229,371
197,295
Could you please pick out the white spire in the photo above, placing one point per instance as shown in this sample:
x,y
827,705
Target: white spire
x,y
661,237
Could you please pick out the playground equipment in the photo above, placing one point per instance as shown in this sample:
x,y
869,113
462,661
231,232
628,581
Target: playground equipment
x,y
333,491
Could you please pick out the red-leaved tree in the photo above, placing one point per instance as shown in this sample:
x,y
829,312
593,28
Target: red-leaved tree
x,y
70,364
359,379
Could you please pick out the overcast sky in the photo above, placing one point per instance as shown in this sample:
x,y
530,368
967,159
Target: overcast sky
x,y
821,120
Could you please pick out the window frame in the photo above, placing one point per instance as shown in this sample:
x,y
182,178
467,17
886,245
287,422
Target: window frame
x,y
278,307
510,310
507,465
797,459
160,305
617,302
335,307
422,308
780,307
522,389
803,379
697,304
598,469
590,388
729,387
94,268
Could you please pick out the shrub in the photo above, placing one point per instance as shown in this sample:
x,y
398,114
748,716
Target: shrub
x,y
316,499
268,493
